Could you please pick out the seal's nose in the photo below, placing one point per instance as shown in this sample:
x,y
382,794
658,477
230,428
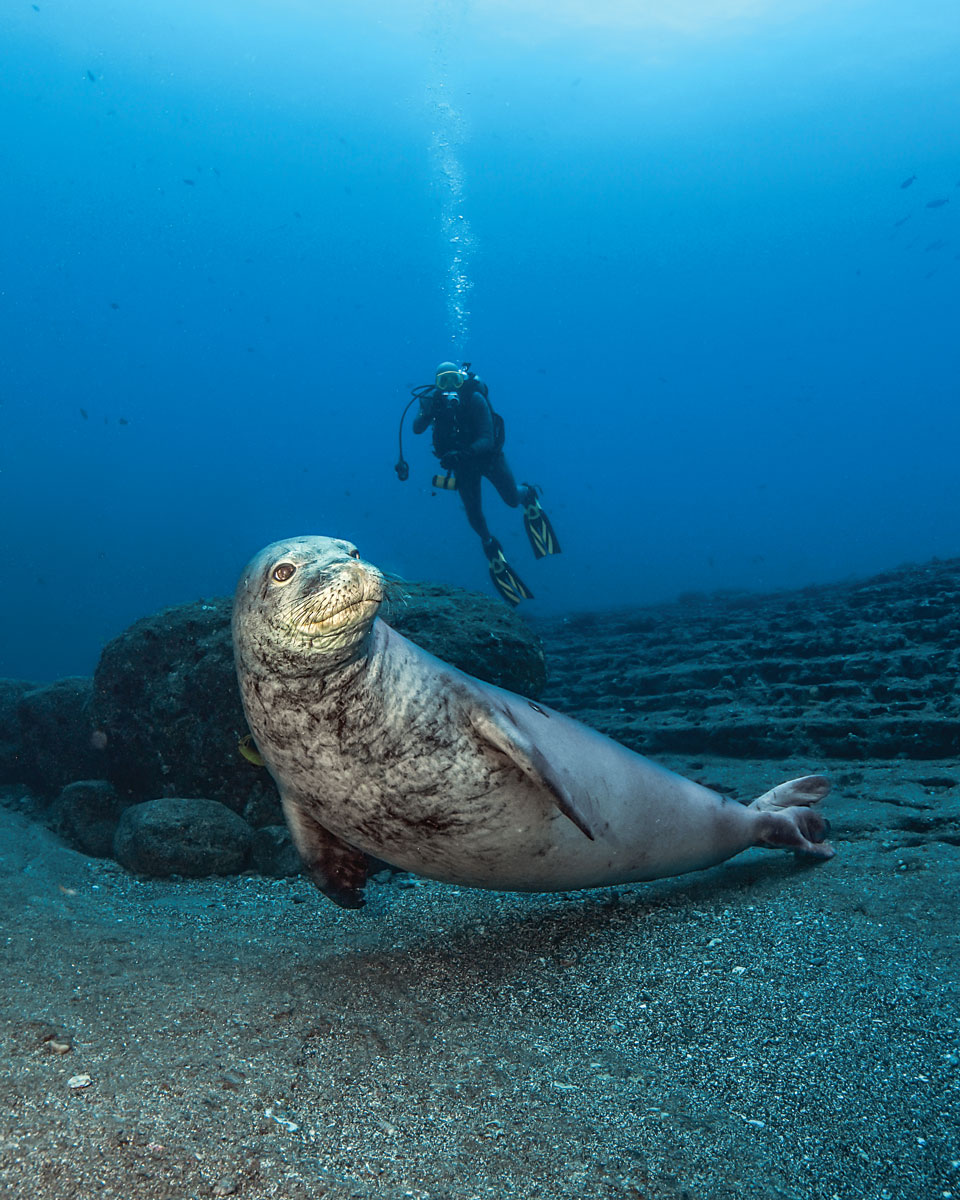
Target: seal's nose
x,y
351,575
370,579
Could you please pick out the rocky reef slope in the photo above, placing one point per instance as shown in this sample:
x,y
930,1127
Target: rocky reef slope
x,y
853,670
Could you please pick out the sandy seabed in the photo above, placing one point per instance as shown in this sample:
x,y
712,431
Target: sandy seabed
x,y
763,1029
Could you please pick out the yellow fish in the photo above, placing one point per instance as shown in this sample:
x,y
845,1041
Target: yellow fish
x,y
249,750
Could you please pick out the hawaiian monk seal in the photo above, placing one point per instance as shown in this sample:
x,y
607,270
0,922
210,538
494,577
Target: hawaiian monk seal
x,y
379,747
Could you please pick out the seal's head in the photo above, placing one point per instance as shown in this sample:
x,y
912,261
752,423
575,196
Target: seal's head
x,y
304,605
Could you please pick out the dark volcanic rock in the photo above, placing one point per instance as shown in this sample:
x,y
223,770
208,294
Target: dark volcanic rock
x,y
854,670
272,852
476,633
12,767
176,836
85,814
167,706
56,735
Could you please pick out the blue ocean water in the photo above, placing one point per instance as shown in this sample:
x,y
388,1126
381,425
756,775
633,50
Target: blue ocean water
x,y
706,256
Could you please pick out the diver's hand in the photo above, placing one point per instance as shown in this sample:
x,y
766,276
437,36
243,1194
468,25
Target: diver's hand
x,y
450,460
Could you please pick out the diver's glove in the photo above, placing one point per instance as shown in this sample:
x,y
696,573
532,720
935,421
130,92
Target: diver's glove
x,y
450,460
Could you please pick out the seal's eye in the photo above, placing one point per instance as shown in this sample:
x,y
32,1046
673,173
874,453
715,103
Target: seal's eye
x,y
283,571
354,553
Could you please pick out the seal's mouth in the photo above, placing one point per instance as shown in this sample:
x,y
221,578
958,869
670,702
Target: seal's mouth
x,y
341,606
338,619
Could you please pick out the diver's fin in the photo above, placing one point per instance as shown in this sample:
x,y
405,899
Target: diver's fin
x,y
537,524
507,582
336,868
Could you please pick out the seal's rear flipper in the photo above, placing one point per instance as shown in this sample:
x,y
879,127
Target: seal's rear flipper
x,y
336,868
807,790
790,820
499,727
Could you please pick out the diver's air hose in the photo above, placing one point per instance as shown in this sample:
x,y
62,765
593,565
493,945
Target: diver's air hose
x,y
401,466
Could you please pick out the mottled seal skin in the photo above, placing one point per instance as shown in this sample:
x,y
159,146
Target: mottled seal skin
x,y
380,748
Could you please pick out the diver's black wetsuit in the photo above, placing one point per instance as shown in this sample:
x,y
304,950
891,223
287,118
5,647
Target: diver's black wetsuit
x,y
464,439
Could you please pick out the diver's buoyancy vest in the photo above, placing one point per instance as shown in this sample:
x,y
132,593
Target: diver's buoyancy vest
x,y
450,434
499,428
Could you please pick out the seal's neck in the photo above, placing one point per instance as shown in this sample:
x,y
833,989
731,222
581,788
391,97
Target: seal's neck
x,y
341,670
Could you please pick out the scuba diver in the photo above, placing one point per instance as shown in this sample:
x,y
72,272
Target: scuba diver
x,y
468,439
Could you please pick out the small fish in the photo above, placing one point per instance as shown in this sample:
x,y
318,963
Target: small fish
x,y
249,750
902,221
939,202
113,304
91,77
907,182
35,7
83,413
190,182
123,421
937,245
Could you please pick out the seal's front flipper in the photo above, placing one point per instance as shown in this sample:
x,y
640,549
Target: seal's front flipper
x,y
498,726
336,868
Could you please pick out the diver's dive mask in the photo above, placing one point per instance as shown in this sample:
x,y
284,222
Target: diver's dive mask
x,y
451,380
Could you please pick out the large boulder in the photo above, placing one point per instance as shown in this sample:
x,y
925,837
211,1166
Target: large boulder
x,y
476,633
85,814
273,853
13,768
167,708
178,836
57,742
